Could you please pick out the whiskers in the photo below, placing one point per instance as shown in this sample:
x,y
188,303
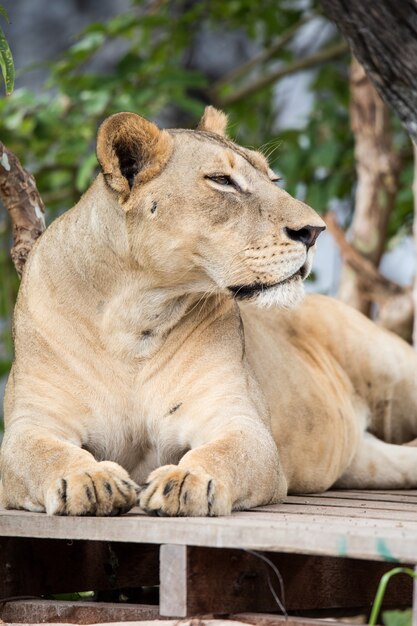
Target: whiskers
x,y
208,293
270,147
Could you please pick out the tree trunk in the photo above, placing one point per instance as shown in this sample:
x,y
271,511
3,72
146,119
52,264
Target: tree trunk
x,y
383,37
415,243
377,169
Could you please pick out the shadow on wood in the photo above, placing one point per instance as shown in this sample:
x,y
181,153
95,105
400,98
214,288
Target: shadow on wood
x,y
32,567
198,581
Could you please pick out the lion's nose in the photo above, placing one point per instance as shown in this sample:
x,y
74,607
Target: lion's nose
x,y
306,235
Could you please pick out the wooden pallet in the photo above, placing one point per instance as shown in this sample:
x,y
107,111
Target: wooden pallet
x,y
330,549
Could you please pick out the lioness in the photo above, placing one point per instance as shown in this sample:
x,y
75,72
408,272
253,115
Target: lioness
x,y
141,353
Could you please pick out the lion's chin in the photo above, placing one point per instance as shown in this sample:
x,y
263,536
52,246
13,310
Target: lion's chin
x,y
287,295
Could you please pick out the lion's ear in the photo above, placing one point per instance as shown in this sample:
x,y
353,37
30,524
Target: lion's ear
x,y
214,121
131,151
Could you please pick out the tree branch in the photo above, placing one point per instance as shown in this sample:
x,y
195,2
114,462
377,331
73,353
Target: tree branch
x,y
21,198
377,286
324,56
378,170
259,58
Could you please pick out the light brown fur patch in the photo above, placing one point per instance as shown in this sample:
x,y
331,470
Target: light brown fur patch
x,y
213,121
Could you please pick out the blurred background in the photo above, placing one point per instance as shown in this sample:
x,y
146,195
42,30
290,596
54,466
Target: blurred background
x,y
286,79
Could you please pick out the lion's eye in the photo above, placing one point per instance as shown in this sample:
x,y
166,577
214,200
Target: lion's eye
x,y
221,180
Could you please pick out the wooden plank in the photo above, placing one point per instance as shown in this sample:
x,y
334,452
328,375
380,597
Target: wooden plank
x,y
238,620
195,621
340,511
168,622
259,620
197,581
40,611
385,505
280,620
295,533
48,566
395,492
382,496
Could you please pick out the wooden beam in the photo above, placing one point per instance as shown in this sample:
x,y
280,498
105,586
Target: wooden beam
x,y
49,566
40,611
280,620
173,581
136,615
299,532
198,581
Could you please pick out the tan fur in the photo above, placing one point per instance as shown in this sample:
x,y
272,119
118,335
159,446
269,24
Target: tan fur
x,y
141,140
214,121
134,363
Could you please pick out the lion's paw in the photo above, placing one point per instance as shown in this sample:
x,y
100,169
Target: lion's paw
x,y
171,490
106,489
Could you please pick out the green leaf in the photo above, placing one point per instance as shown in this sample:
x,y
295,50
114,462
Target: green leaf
x,y
89,43
5,367
325,155
6,64
397,618
75,596
3,12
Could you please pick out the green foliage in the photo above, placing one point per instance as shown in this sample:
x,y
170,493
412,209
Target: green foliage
x,y
6,58
54,136
74,596
318,162
53,132
397,618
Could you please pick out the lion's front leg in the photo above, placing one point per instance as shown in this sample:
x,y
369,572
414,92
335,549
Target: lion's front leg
x,y
43,472
238,470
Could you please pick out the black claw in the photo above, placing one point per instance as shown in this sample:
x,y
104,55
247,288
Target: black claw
x,y
210,497
116,512
124,509
89,494
168,487
108,488
145,505
122,493
94,487
180,492
63,492
210,488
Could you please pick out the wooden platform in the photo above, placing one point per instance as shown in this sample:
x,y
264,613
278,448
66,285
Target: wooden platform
x,y
330,549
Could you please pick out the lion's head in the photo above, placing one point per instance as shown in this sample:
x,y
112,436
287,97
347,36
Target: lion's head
x,y
204,214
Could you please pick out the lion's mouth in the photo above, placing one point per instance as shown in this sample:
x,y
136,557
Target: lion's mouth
x,y
245,292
